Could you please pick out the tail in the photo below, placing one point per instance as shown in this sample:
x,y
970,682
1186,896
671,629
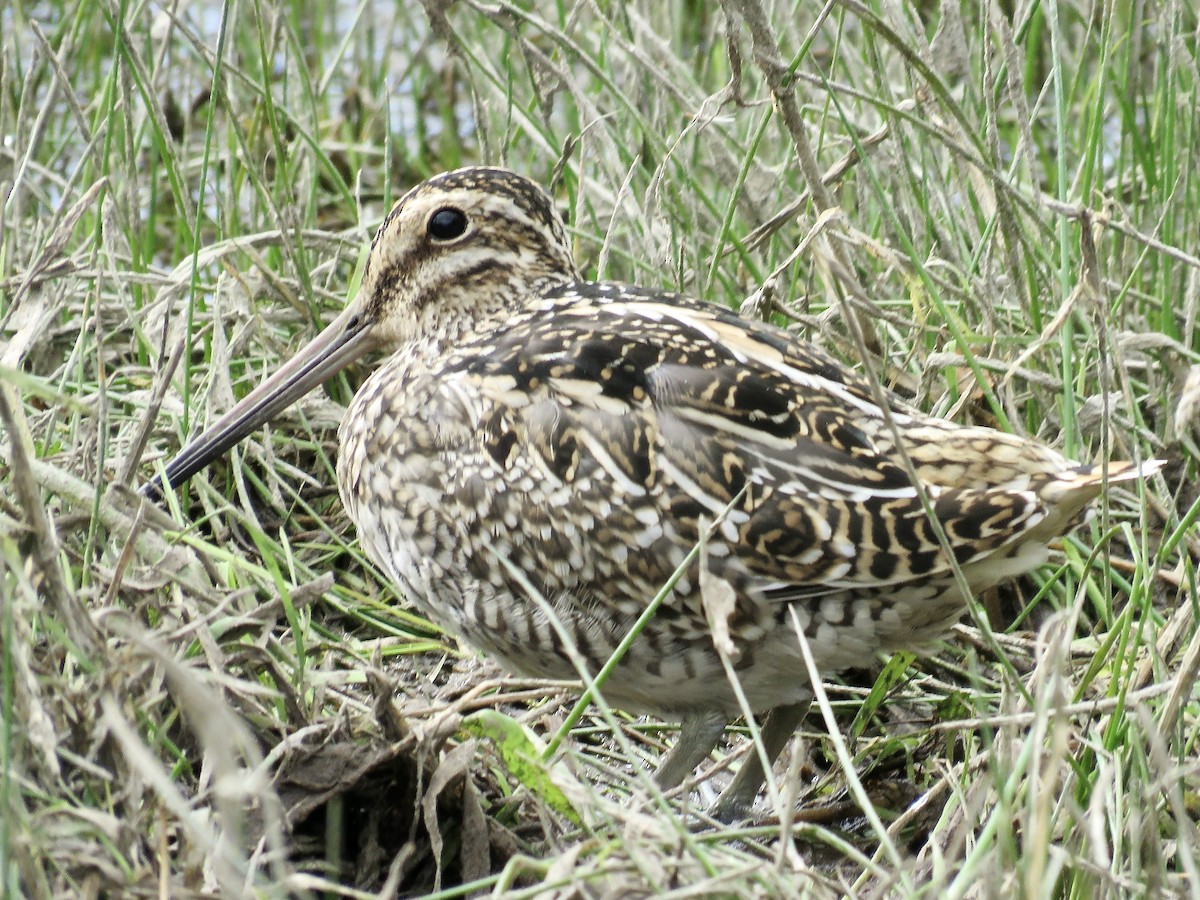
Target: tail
x,y
1066,494
1097,477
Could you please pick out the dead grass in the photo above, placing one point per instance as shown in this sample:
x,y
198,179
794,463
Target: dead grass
x,y
994,213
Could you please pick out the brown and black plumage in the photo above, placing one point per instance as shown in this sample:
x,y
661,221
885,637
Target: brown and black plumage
x,y
535,446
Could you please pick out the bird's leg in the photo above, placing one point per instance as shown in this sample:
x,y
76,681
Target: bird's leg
x,y
698,734
737,799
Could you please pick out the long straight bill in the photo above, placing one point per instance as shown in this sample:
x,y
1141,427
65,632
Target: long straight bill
x,y
347,338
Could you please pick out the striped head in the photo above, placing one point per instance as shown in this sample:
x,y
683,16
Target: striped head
x,y
461,246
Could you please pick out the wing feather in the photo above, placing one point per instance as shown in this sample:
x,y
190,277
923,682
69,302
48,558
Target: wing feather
x,y
656,412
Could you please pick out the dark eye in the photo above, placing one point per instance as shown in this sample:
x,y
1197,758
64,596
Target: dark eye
x,y
447,223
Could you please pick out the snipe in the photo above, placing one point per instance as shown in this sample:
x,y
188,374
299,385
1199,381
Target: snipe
x,y
529,431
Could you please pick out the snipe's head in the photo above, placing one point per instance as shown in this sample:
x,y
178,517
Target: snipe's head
x,y
459,248
462,246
